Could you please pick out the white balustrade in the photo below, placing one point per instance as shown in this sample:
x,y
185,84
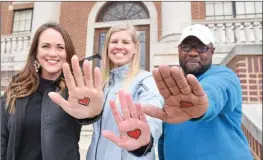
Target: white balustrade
x,y
13,44
240,31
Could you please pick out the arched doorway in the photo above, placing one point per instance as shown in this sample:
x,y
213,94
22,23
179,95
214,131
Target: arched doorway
x,y
122,11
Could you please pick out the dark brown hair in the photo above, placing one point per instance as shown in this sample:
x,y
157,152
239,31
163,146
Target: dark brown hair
x,y
26,81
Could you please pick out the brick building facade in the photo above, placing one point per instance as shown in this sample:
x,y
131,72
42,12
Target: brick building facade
x,y
161,30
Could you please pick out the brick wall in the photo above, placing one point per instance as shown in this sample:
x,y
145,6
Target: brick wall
x,y
6,18
255,146
74,17
158,6
198,10
249,70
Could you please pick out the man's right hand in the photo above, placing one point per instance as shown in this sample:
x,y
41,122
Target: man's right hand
x,y
184,97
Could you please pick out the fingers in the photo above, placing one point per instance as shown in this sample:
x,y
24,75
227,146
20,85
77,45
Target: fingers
x,y
169,80
77,71
132,108
97,79
124,107
112,137
163,89
88,74
142,115
70,82
115,112
59,100
154,112
195,85
180,79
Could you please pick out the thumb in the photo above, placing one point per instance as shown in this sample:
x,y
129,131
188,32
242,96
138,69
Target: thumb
x,y
58,99
154,112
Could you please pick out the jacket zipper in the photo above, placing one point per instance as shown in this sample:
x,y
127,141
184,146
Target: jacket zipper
x,y
101,120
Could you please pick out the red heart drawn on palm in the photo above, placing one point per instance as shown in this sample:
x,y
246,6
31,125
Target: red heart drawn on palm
x,y
134,134
84,101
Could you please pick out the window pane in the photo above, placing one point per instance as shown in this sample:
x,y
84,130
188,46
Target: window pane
x,y
258,7
240,8
228,8
127,7
123,11
15,26
101,44
219,10
22,15
28,25
22,26
28,14
17,14
142,45
209,8
250,8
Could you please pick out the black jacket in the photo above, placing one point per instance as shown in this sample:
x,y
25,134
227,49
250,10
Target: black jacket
x,y
60,132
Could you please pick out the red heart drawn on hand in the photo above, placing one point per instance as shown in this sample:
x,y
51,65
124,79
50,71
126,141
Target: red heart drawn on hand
x,y
84,101
134,134
184,104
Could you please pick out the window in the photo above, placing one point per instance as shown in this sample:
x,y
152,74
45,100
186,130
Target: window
x,y
229,10
22,20
219,10
248,9
117,11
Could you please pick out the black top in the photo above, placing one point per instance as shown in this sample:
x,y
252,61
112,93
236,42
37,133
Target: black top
x,y
30,143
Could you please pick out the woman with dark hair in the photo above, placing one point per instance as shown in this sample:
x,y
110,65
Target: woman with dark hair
x,y
33,127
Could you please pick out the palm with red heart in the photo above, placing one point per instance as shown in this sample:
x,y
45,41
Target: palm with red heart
x,y
133,126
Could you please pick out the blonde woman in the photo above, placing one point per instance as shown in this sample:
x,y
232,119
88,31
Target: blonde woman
x,y
121,73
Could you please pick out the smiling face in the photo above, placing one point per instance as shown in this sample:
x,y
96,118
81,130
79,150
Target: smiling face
x,y
51,53
121,48
194,56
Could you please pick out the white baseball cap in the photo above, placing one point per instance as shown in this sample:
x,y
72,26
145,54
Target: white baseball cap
x,y
199,31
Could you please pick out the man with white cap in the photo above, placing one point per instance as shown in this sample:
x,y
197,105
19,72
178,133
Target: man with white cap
x,y
203,104
202,112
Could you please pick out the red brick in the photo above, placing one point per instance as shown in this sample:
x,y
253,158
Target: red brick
x,y
252,81
241,75
253,87
253,99
253,93
198,10
245,99
243,81
244,92
252,75
244,86
250,64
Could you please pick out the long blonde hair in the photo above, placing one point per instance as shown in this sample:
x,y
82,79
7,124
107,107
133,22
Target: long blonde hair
x,y
107,64
26,81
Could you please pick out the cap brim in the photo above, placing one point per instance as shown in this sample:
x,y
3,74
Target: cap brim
x,y
200,37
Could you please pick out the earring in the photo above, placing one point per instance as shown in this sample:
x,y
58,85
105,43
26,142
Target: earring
x,y
36,65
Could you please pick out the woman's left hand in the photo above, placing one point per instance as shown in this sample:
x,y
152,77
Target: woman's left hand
x,y
133,126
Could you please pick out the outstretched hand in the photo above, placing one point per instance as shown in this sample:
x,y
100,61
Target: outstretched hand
x,y
85,91
184,97
133,127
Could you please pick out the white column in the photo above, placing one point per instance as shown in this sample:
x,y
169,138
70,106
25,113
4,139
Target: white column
x,y
44,12
175,17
